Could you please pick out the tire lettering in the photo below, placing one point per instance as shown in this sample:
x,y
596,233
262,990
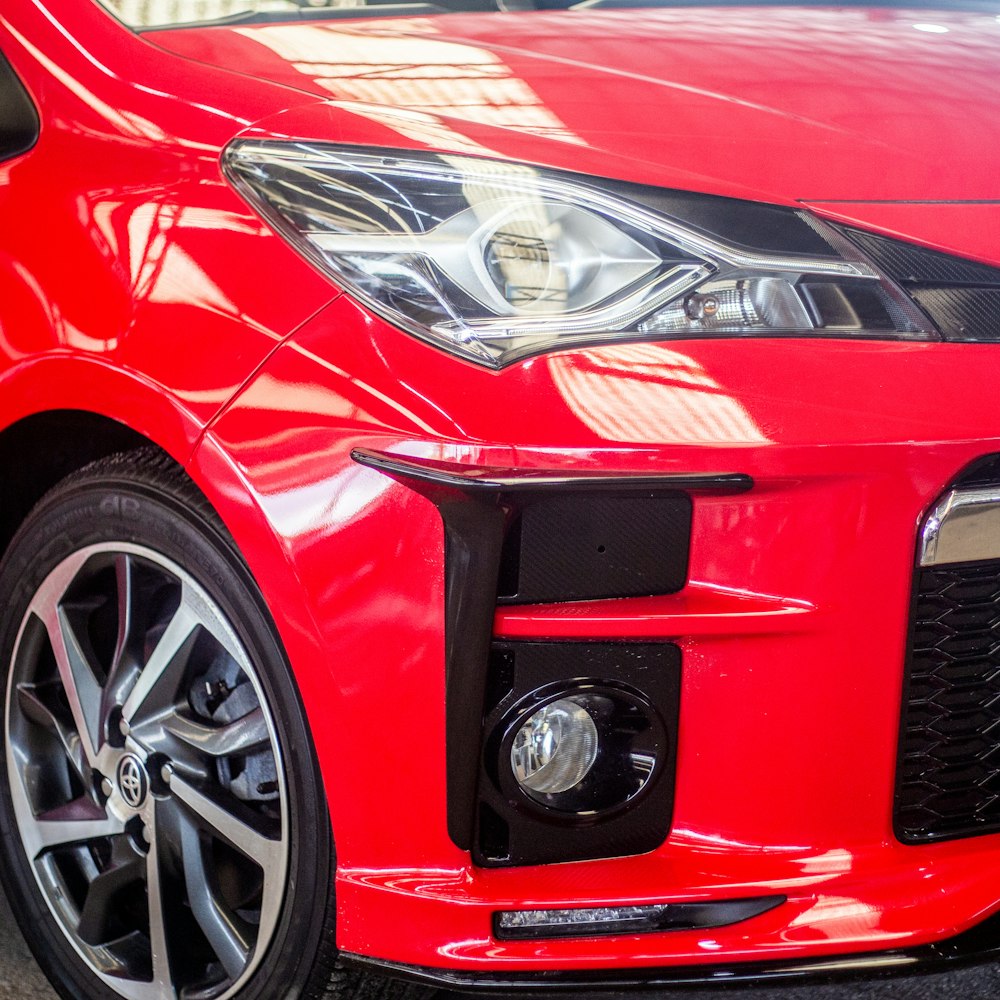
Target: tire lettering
x,y
115,506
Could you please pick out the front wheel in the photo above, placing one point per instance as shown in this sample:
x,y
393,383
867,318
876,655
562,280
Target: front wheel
x,y
163,821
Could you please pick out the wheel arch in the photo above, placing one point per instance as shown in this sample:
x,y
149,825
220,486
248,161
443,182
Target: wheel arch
x,y
39,450
59,412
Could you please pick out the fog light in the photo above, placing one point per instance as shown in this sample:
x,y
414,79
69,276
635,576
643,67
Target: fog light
x,y
579,752
555,748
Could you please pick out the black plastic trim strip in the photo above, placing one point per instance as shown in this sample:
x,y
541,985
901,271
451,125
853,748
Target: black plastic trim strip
x,y
702,915
476,504
19,123
480,479
979,944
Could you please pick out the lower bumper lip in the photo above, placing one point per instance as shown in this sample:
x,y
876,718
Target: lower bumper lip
x,y
980,944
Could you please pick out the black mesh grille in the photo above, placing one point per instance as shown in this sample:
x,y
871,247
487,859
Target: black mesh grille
x,y
948,782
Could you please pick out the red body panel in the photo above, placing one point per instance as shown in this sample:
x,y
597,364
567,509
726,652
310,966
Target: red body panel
x,y
773,103
140,286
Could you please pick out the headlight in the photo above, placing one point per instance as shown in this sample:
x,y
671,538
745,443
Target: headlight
x,y
494,261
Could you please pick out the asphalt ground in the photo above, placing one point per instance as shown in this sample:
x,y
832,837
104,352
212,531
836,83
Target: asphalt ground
x,y
20,979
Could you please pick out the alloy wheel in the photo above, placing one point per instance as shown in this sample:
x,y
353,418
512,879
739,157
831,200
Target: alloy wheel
x,y
146,776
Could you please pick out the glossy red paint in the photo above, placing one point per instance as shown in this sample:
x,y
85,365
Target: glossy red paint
x,y
138,285
771,103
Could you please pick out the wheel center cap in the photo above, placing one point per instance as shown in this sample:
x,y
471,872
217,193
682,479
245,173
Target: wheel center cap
x,y
132,781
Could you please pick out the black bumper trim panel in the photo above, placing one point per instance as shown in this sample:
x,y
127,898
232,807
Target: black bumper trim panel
x,y
480,479
477,505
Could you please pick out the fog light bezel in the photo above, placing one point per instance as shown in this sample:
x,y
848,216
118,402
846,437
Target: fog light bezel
x,y
509,830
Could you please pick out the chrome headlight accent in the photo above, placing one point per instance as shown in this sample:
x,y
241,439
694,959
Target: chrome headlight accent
x,y
495,261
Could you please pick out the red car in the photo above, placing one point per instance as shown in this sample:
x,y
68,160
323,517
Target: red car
x,y
503,494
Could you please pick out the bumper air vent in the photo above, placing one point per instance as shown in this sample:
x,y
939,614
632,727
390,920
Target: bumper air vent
x,y
948,774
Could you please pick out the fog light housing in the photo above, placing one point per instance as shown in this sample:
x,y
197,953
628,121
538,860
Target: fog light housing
x,y
582,752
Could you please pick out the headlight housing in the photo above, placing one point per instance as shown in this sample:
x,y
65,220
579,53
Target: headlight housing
x,y
494,261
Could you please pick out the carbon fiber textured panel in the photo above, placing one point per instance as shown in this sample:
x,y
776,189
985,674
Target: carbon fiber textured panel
x,y
948,778
970,314
583,547
915,265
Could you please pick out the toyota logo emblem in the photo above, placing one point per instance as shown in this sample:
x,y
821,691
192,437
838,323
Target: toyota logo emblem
x,y
132,781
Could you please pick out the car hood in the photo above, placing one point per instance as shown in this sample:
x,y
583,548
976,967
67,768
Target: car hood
x,y
785,104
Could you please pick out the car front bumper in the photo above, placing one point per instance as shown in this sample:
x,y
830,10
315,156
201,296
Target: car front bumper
x,y
792,627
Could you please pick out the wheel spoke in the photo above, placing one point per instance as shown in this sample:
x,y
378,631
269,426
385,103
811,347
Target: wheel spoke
x,y
229,936
236,832
123,586
162,978
83,693
33,703
211,620
239,737
121,672
132,637
167,659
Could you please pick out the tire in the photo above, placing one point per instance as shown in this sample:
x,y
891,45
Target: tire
x,y
161,808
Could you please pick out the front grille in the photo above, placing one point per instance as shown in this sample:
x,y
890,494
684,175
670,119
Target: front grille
x,y
948,781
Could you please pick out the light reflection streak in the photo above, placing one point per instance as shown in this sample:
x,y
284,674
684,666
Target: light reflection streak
x,y
142,126
131,125
836,861
423,129
148,226
369,389
852,919
182,281
436,77
649,394
659,81
88,55
161,270
434,406
340,500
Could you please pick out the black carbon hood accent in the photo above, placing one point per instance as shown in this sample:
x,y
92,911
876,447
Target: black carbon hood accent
x,y
961,296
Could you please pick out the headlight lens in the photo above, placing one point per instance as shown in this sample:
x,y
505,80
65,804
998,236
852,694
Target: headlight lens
x,y
494,261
